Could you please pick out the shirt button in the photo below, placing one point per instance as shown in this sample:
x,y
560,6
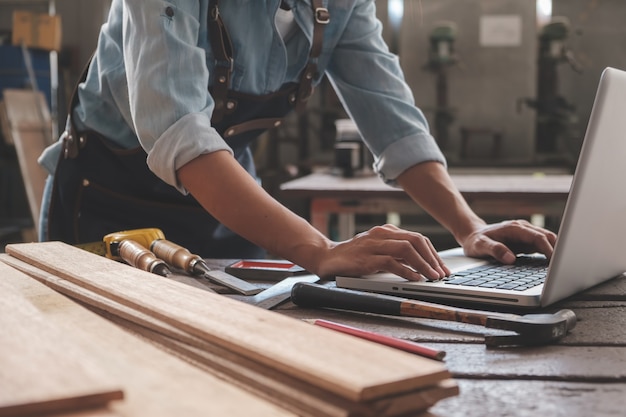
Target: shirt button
x,y
169,11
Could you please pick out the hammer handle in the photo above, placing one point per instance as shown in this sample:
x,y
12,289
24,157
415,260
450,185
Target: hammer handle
x,y
317,296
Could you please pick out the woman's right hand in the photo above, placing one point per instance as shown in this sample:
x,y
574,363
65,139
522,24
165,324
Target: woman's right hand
x,y
386,248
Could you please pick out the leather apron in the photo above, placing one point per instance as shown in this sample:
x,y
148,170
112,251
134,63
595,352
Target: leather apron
x,y
100,188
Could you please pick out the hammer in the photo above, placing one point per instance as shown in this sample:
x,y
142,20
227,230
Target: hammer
x,y
530,329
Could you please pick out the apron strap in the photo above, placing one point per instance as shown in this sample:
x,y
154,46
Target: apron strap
x,y
222,49
321,18
70,139
223,52
255,124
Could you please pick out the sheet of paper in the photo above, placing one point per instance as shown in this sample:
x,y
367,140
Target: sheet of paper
x,y
500,30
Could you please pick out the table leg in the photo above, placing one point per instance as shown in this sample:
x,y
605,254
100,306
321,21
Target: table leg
x,y
345,226
319,216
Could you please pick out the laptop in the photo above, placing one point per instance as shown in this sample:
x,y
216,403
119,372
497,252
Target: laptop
x,y
591,243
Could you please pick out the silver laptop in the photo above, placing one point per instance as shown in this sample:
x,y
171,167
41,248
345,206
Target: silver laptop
x,y
591,244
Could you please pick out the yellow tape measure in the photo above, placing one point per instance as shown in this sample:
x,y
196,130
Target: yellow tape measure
x,y
144,237
94,247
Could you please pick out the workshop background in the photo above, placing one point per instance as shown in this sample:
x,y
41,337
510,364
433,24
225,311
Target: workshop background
x,y
504,83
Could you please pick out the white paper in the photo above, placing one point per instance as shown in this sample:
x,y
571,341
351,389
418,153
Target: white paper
x,y
501,30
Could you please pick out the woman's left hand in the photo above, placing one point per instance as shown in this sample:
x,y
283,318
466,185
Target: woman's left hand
x,y
504,240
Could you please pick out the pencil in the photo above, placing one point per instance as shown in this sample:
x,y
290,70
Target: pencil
x,y
394,342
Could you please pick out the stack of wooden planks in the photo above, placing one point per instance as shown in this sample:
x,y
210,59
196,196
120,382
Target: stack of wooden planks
x,y
305,369
58,358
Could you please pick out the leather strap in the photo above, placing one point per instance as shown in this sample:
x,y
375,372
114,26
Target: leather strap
x,y
321,18
70,138
255,124
222,49
223,52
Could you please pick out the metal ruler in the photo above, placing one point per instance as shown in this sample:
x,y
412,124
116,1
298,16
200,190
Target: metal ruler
x,y
279,292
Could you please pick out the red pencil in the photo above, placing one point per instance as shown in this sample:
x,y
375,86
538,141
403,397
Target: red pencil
x,y
394,342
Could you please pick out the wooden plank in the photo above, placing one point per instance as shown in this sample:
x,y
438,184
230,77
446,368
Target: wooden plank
x,y
4,125
30,135
303,399
326,359
156,383
21,109
34,360
292,394
227,365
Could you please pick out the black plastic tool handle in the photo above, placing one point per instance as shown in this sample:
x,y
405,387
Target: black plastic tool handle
x,y
317,296
308,295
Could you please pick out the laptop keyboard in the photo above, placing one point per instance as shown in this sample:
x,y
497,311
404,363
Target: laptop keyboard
x,y
527,272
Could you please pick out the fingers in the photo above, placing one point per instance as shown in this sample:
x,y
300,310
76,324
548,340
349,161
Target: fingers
x,y
412,256
501,252
503,240
527,237
399,251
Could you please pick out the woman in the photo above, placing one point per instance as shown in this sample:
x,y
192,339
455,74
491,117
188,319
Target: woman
x,y
160,127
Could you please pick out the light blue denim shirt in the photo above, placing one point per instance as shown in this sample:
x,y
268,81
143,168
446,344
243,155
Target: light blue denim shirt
x,y
147,84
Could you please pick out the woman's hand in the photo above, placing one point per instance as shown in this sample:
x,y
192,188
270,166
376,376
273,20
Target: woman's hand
x,y
384,248
504,240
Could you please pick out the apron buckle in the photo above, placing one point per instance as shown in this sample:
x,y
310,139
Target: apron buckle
x,y
322,16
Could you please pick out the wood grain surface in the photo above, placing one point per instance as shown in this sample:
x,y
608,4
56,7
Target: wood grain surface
x,y
268,383
329,360
35,357
583,375
155,383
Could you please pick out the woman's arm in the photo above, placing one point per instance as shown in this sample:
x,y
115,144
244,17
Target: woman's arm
x,y
432,188
232,196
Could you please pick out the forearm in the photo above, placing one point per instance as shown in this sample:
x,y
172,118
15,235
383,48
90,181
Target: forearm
x,y
430,186
233,197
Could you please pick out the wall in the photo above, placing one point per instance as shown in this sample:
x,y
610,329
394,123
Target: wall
x,y
81,24
81,21
485,87
483,90
598,40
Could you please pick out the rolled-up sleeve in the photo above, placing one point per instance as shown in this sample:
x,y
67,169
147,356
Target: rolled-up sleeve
x,y
370,84
170,106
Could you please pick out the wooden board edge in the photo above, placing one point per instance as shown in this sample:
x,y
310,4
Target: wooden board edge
x,y
62,405
411,372
266,382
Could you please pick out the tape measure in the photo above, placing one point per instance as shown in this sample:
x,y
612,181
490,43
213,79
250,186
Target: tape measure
x,y
107,247
94,247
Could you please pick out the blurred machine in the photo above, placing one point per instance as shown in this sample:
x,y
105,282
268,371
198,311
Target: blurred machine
x,y
556,117
441,57
352,157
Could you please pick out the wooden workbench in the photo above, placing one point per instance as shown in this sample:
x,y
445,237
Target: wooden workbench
x,y
583,375
500,193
